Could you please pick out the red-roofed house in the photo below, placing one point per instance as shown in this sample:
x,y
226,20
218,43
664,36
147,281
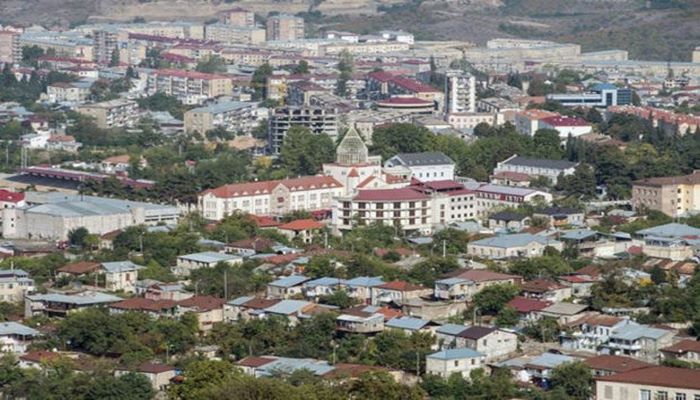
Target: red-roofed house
x,y
10,199
650,383
302,229
546,290
685,350
158,374
463,285
398,292
528,309
310,193
208,309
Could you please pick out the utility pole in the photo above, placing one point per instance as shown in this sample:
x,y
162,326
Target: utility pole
x,y
444,248
417,363
225,285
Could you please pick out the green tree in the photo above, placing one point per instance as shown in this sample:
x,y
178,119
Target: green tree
x,y
303,152
114,57
507,316
211,65
575,378
259,81
302,67
77,236
493,298
390,140
339,298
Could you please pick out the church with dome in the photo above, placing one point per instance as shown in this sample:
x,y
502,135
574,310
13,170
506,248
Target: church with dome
x,y
357,170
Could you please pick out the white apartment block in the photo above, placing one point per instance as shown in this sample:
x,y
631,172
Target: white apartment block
x,y
279,197
460,92
112,114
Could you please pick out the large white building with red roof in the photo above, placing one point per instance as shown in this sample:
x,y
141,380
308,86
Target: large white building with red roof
x,y
566,126
278,197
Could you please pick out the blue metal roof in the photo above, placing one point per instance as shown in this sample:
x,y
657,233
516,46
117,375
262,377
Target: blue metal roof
x,y
289,281
456,354
86,298
365,281
15,328
452,281
550,360
603,86
515,240
287,307
451,329
634,331
210,257
579,234
672,230
120,266
240,300
325,281
288,365
409,323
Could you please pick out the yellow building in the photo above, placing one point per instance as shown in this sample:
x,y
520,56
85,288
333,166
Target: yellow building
x,y
673,195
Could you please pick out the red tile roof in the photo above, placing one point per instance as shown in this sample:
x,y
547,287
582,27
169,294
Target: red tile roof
x,y
79,268
202,303
259,303
301,225
541,285
266,187
255,362
615,363
265,222
682,347
151,368
402,194
658,376
39,356
142,304
525,305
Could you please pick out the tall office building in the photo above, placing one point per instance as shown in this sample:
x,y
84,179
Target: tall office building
x,y
285,27
460,92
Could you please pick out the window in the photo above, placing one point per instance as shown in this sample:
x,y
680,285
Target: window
x,y
680,396
608,392
456,363
644,394
661,395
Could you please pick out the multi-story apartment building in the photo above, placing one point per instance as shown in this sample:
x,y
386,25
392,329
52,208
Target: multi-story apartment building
x,y
285,27
311,193
112,113
62,44
460,92
238,17
550,169
489,196
319,120
232,34
406,209
10,50
190,87
68,92
673,195
236,116
106,43
470,120
426,167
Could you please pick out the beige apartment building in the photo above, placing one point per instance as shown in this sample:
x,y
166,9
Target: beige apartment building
x,y
238,17
285,27
673,195
650,383
10,51
233,116
310,193
190,87
112,114
235,35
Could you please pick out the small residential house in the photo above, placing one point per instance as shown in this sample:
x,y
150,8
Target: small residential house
x,y
249,247
322,287
293,310
590,332
208,309
512,246
606,365
450,361
580,285
685,350
360,320
208,259
120,275
286,287
398,292
528,309
60,304
301,229
639,341
540,368
14,285
15,337
493,342
446,335
508,221
246,307
410,325
545,290
78,269
160,375
465,284
564,312
153,308
561,216
360,288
